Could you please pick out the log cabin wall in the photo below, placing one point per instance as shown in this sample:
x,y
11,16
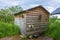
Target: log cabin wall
x,y
34,20
38,18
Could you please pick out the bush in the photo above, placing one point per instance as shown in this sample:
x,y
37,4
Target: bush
x,y
54,29
7,29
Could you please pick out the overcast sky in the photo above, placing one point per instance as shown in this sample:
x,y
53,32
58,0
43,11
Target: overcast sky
x,y
50,5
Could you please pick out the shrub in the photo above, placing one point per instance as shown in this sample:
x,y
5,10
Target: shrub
x,y
54,29
7,29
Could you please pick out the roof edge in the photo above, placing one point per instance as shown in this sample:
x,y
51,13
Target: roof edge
x,y
32,8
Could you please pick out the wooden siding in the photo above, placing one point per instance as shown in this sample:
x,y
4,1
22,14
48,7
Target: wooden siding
x,y
32,18
38,17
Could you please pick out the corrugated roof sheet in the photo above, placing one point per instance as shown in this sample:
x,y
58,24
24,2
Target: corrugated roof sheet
x,y
57,11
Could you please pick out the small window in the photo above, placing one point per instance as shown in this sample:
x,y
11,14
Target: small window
x,y
39,18
22,16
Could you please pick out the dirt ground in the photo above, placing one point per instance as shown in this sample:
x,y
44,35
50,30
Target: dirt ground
x,y
41,38
18,38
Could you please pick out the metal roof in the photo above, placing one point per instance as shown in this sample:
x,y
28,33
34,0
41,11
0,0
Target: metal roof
x,y
57,11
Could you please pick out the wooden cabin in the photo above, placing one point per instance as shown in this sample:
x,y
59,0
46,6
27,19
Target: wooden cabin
x,y
32,21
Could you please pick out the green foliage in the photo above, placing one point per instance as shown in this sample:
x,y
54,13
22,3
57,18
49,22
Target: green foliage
x,y
7,29
16,9
6,15
54,28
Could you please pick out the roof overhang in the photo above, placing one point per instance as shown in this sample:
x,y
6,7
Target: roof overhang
x,y
31,9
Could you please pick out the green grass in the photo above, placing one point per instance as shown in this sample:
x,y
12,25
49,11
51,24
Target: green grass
x,y
7,29
53,29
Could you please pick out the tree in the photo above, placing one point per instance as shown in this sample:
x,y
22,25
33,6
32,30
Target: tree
x,y
6,15
15,9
